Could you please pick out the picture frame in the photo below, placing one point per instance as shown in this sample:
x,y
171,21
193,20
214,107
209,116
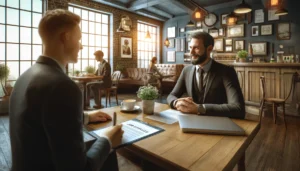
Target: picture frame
x,y
259,48
272,16
266,30
171,32
223,18
213,32
182,30
126,47
259,16
237,30
172,43
182,44
238,45
228,48
219,45
255,31
177,45
199,24
283,31
222,32
228,42
171,56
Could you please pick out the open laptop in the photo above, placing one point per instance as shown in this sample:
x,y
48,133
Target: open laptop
x,y
209,125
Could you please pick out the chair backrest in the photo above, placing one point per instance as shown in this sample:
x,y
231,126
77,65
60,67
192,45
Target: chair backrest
x,y
295,79
263,86
115,77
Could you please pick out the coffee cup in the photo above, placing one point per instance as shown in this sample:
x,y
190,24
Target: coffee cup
x,y
128,104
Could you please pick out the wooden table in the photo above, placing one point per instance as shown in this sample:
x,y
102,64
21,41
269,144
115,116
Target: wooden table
x,y
84,80
175,150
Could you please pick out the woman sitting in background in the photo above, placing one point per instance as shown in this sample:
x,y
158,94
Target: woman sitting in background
x,y
155,77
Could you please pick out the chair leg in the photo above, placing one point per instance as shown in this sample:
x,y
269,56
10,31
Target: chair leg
x,y
109,98
106,99
116,97
283,113
274,112
261,110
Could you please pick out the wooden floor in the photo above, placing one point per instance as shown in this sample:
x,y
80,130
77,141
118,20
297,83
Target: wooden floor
x,y
274,148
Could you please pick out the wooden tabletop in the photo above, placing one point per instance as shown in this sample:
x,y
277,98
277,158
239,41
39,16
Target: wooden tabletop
x,y
175,150
86,78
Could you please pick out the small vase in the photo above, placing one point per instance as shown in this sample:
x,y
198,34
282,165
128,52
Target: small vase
x,y
148,107
242,59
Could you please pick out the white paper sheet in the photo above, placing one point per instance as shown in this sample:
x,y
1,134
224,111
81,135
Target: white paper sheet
x,y
169,116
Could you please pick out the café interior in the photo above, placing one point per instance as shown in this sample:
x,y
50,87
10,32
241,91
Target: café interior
x,y
258,38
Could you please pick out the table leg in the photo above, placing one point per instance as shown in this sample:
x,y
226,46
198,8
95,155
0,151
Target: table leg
x,y
241,164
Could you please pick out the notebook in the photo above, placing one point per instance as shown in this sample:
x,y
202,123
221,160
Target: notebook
x,y
209,125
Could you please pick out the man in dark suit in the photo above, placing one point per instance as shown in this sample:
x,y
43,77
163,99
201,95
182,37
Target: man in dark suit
x,y
212,88
103,71
46,107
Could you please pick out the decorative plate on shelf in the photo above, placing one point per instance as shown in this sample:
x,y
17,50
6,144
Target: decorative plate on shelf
x,y
210,19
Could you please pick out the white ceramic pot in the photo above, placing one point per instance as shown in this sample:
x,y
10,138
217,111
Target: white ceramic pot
x,y
148,107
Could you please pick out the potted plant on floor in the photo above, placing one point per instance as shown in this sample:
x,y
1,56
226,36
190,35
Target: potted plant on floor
x,y
121,68
148,94
90,71
4,101
242,54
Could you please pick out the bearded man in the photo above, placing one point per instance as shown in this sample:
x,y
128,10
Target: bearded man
x,y
212,88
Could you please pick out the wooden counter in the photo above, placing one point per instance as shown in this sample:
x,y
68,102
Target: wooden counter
x,y
278,79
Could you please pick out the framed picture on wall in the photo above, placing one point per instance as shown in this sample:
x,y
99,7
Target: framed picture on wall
x,y
172,43
283,31
219,45
254,31
228,42
238,45
266,29
171,32
272,16
199,24
182,30
228,48
223,19
182,44
126,47
235,30
177,44
171,56
221,32
259,16
259,48
214,32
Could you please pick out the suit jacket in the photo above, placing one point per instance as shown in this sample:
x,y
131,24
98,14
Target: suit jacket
x,y
105,71
222,96
46,123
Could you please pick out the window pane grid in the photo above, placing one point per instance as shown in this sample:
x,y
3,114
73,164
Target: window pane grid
x,y
95,36
19,18
146,48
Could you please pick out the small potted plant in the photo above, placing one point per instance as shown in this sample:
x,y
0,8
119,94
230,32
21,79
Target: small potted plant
x,y
121,68
4,101
242,54
89,70
77,72
148,94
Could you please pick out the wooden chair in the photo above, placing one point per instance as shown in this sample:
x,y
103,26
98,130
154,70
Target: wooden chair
x,y
276,102
115,77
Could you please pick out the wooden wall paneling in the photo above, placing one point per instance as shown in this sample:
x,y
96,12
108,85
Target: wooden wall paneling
x,y
240,71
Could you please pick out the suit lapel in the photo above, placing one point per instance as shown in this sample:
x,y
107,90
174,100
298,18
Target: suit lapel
x,y
210,77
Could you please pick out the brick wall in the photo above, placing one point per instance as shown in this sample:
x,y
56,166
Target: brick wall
x,y
117,13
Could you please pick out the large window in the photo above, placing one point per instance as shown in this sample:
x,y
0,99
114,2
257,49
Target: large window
x,y
20,43
147,48
95,36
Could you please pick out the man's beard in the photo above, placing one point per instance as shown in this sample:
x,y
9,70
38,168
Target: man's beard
x,y
200,58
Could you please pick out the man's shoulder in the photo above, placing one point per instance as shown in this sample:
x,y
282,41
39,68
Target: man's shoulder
x,y
221,66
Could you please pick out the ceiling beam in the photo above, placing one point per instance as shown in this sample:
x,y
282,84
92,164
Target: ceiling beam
x,y
116,4
223,5
160,12
151,15
179,4
140,4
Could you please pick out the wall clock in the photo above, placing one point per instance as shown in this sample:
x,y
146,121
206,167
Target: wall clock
x,y
210,20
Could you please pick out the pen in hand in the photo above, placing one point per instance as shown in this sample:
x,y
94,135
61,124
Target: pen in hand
x,y
114,119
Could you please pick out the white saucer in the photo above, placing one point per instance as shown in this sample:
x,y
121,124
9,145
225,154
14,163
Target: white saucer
x,y
136,108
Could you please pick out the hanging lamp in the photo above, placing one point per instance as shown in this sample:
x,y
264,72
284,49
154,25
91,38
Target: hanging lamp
x,y
231,19
148,36
281,10
242,8
190,24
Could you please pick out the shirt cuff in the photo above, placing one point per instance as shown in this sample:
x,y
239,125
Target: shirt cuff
x,y
201,109
85,118
173,103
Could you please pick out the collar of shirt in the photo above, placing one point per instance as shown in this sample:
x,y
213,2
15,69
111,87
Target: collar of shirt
x,y
59,64
206,67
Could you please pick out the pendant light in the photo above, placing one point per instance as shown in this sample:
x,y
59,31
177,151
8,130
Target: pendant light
x,y
198,14
271,4
242,8
281,10
231,19
147,33
190,24
167,42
